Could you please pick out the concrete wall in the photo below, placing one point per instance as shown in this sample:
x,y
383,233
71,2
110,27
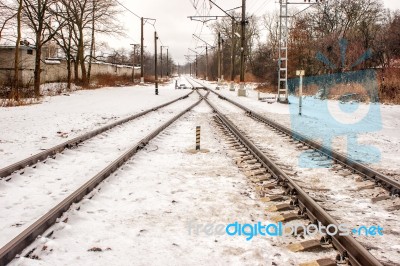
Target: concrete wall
x,y
56,70
52,70
26,63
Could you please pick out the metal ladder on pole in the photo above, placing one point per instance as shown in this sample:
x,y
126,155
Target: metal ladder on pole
x,y
283,52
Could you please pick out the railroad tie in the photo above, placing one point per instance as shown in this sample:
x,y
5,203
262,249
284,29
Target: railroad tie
x,y
286,217
369,186
281,207
320,262
243,158
380,198
273,198
261,178
305,245
266,186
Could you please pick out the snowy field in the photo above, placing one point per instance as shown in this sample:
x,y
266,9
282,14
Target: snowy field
x,y
25,198
27,130
146,213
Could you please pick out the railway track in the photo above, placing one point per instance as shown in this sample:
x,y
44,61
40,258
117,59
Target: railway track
x,y
31,160
272,180
378,178
268,175
26,237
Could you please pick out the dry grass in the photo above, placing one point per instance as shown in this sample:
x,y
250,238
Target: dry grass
x,y
248,77
56,89
151,79
341,89
389,88
20,102
308,90
109,80
266,88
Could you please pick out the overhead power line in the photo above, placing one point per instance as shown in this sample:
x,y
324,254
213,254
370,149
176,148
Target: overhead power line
x,y
130,11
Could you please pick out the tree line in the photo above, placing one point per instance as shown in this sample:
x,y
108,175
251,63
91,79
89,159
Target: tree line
x,y
365,24
70,24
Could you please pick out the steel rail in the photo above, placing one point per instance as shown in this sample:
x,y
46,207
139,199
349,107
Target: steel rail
x,y
386,182
8,170
346,245
24,239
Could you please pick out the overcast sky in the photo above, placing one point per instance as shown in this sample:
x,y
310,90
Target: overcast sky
x,y
175,29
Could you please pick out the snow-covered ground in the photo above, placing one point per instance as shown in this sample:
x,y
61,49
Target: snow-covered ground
x,y
27,130
142,213
340,126
25,198
350,206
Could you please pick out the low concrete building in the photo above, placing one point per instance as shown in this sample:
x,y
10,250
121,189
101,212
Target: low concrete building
x,y
53,69
26,64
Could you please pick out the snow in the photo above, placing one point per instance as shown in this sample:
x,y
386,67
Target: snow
x,y
141,214
336,125
27,130
352,207
24,199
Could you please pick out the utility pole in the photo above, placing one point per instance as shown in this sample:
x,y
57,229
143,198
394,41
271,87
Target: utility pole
x,y
207,62
206,45
163,46
241,90
196,66
233,47
283,52
161,60
133,61
196,54
155,63
190,62
222,59
167,64
219,58
208,18
243,40
141,51
283,63
142,22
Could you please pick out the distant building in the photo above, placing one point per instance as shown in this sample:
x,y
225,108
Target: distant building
x,y
52,69
26,64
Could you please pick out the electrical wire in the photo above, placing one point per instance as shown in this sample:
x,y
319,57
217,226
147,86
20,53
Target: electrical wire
x,y
130,11
147,20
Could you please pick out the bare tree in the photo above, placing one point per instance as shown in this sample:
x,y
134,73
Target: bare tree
x,y
38,17
7,13
393,37
15,84
271,24
224,26
92,42
103,21
64,39
89,16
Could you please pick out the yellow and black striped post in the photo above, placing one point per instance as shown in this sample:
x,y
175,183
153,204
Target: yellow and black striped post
x,y
197,138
